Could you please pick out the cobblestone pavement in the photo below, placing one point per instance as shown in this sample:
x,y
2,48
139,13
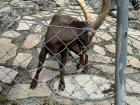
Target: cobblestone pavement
x,y
20,46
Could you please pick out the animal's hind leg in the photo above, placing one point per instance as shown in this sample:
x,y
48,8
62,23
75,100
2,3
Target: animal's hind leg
x,y
42,57
62,64
83,57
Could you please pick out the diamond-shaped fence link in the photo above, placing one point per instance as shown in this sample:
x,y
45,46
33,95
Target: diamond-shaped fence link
x,y
23,27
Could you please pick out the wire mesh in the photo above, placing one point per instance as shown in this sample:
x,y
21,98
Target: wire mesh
x,y
24,24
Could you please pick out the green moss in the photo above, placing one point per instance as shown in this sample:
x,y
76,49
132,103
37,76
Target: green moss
x,y
14,103
3,98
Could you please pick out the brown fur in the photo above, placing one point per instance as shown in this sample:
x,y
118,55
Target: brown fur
x,y
64,32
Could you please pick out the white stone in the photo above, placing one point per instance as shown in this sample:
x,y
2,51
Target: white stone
x,y
31,41
5,10
134,33
132,100
7,50
130,49
110,69
22,91
96,39
105,68
62,2
38,50
51,64
43,14
134,41
37,15
69,67
45,74
22,59
101,58
99,50
111,48
78,8
112,30
104,102
136,44
110,19
75,7
11,34
29,17
60,100
68,13
94,16
7,75
105,25
132,86
73,54
129,41
103,35
83,87
25,25
38,28
133,61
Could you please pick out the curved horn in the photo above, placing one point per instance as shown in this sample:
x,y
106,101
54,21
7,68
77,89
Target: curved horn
x,y
101,16
85,10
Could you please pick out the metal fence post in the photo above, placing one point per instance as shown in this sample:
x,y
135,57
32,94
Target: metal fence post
x,y
121,51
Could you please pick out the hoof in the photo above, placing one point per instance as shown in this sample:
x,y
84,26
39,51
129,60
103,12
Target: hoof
x,y
33,84
78,66
84,71
61,86
111,89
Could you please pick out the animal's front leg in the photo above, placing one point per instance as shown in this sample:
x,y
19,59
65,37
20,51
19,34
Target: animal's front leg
x,y
62,64
42,57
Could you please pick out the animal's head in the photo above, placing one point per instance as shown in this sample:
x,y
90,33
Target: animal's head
x,y
91,26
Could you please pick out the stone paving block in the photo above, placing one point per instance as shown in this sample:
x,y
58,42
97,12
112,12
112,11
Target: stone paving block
x,y
132,86
22,91
11,34
45,74
134,62
111,48
101,58
7,50
7,75
104,35
110,69
99,50
22,59
25,25
31,41
132,100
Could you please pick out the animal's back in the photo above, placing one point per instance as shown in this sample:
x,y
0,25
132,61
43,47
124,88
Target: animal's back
x,y
59,29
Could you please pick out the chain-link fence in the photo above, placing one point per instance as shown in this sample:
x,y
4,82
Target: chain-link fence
x,y
57,37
